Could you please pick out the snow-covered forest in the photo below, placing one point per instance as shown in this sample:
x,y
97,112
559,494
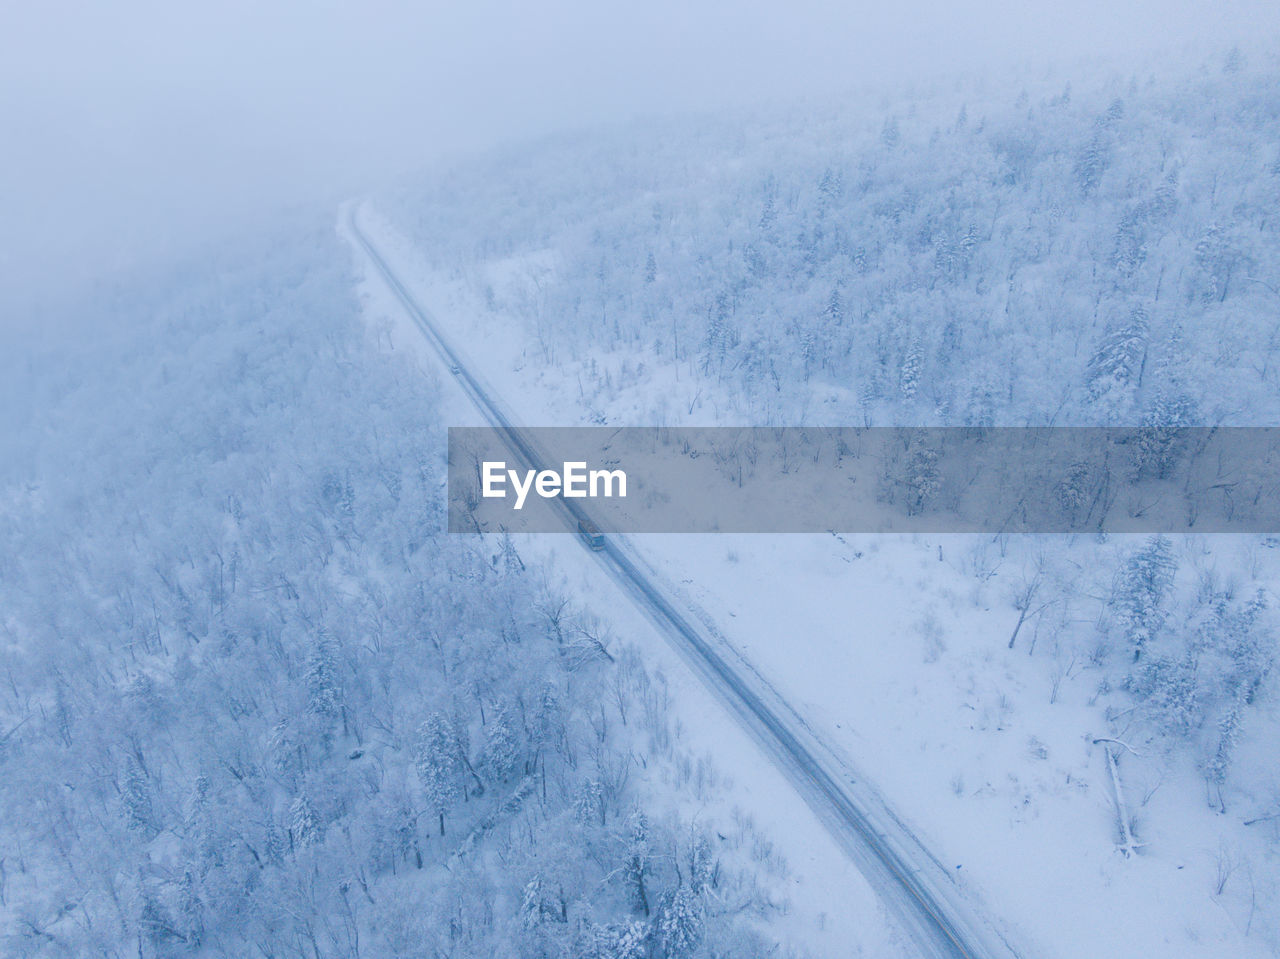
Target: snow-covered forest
x,y
1089,247
1030,252
255,702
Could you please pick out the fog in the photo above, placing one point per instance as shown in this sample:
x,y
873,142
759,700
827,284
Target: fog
x,y
132,129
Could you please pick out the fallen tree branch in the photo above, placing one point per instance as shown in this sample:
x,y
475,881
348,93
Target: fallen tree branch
x,y
1128,845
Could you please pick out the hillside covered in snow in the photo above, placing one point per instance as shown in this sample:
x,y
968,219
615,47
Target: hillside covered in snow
x,y
1089,247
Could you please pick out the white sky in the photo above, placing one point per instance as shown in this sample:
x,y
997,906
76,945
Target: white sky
x,y
128,127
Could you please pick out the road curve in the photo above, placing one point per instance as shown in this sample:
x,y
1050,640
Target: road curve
x,y
929,908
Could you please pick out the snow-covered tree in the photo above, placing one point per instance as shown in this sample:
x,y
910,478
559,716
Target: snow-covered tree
x,y
135,797
1162,440
909,374
439,764
501,754
680,923
1141,588
1219,254
1223,750
1169,691
589,803
1120,357
637,855
628,939
305,827
324,691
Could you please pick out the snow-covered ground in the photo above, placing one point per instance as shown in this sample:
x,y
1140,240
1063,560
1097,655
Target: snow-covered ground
x,y
900,657
895,648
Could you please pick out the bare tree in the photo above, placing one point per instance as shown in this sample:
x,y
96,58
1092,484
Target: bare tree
x,y
1025,597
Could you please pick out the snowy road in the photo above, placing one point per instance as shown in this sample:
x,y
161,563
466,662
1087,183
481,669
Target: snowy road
x,y
930,908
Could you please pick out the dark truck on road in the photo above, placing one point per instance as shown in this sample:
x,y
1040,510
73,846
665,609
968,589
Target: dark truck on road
x,y
593,537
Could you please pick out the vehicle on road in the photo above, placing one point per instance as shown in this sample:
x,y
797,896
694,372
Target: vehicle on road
x,y
587,530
